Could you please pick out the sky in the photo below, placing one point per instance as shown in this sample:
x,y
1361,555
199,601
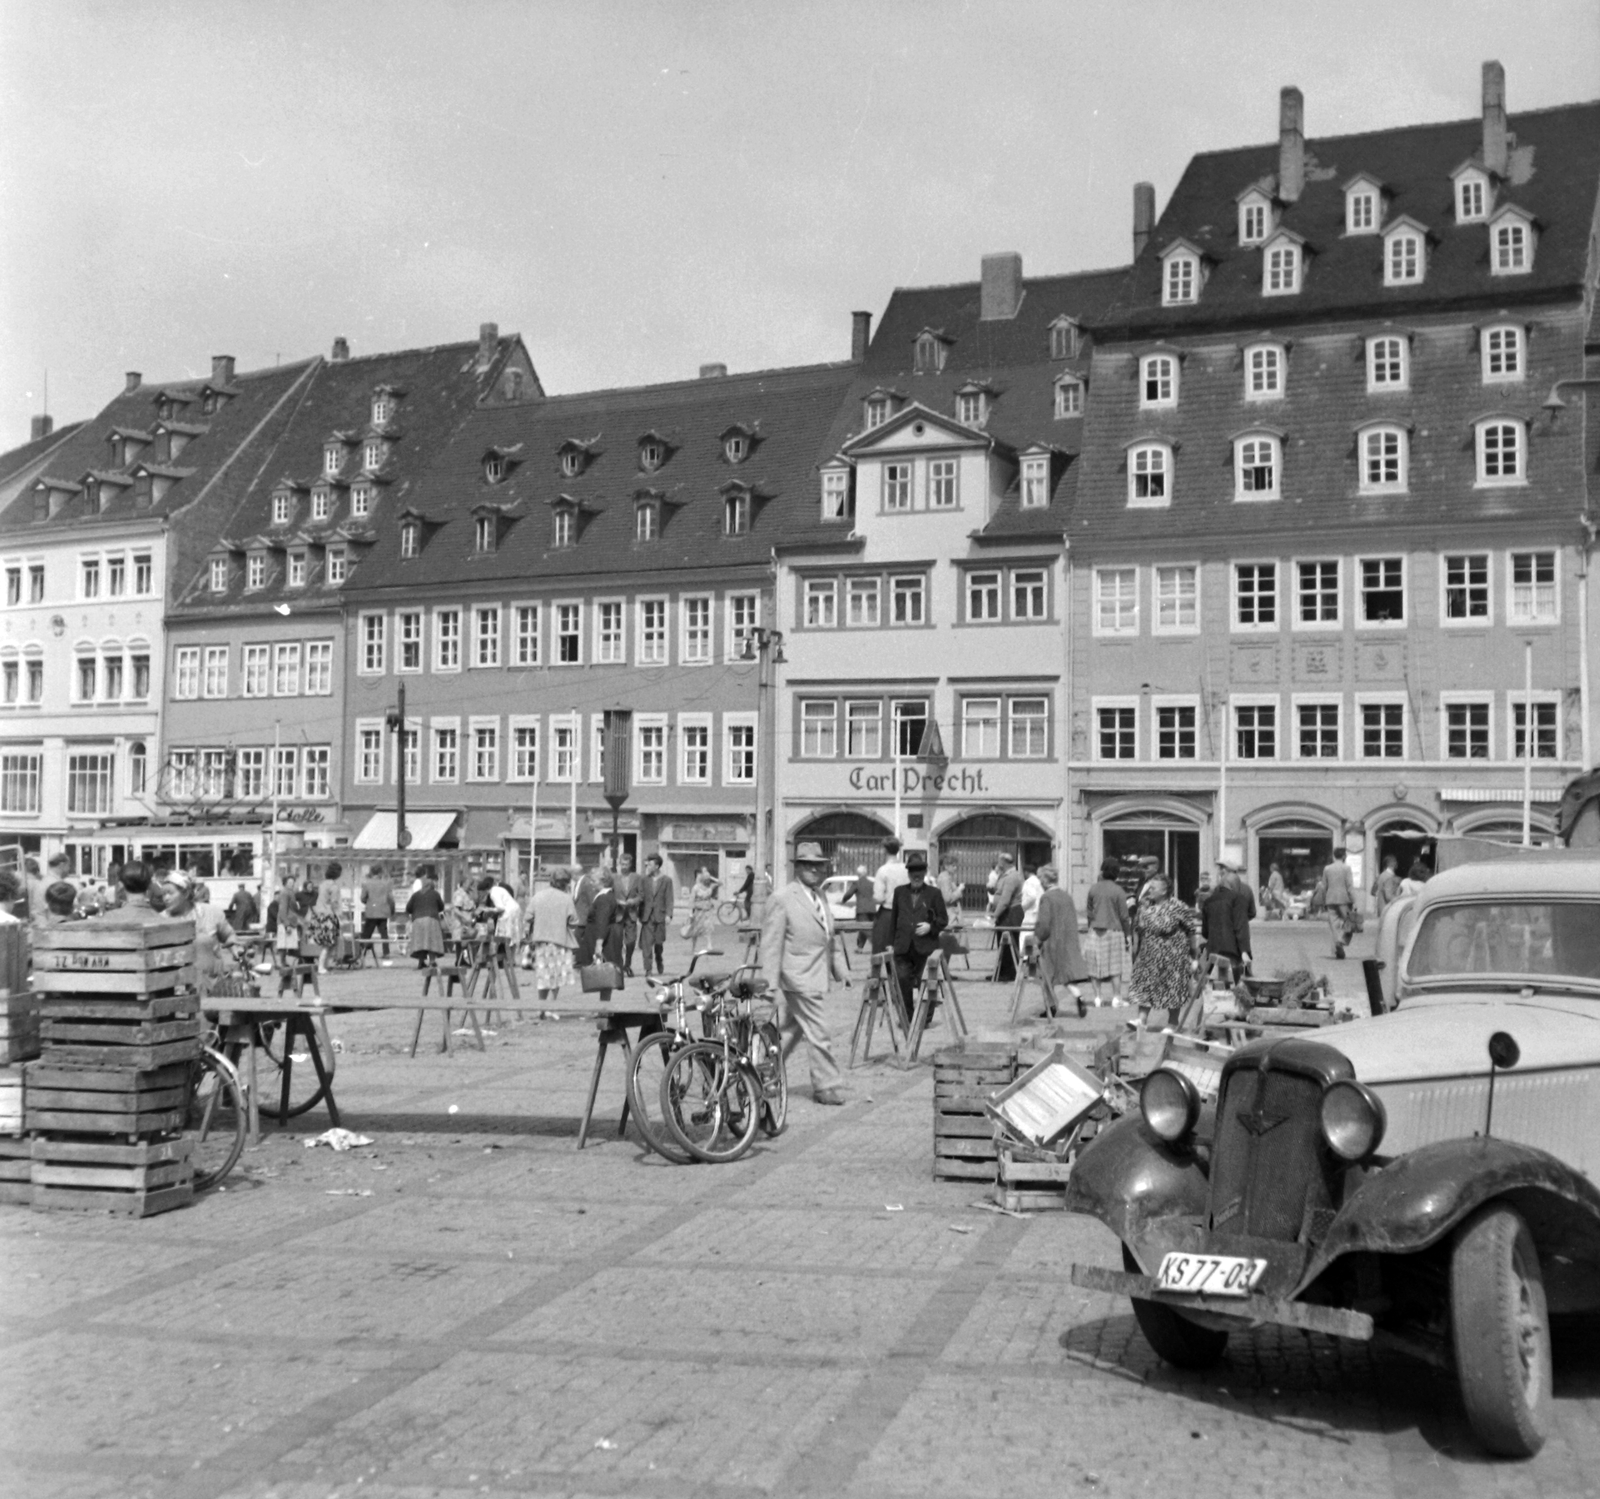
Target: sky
x,y
636,188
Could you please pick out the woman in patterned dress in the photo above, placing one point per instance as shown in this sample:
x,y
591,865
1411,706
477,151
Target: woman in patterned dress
x,y
1163,967
551,919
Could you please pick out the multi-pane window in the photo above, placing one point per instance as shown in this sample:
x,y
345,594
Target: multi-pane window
x,y
1471,199
182,782
1175,731
1499,452
116,577
1402,265
1255,594
446,753
696,613
862,598
1116,593
213,772
1035,483
486,751
143,573
744,614
897,486
1252,221
1263,366
876,411
373,643
1545,737
332,458
255,666
741,753
369,756
89,784
1255,731
486,635
19,781
141,678
447,640
652,632
1533,588
1177,597
408,635
1388,363
696,767
361,500
1383,590
319,668
971,408
1466,586
321,504
9,682
1317,592
822,603
1063,338
89,679
563,526
337,564
647,520
942,484
907,597
112,679
1116,732
297,570
250,774
736,514
282,509
1511,248
1069,397
483,533
1466,731
13,586
526,618
524,751
1148,466
410,540
255,570
1383,459
411,753
372,454
185,673
1182,276
864,730
1318,730
36,583
1361,213
569,634
1158,380
90,588
1030,728
1502,353
1383,731
1256,471
214,682
1281,273
835,494
819,729
315,766
983,596
980,728
1028,593
286,670
908,725
608,642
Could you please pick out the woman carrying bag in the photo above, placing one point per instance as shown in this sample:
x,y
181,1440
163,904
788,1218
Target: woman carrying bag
x,y
600,946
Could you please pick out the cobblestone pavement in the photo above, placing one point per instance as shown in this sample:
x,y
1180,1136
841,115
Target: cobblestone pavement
x,y
470,1306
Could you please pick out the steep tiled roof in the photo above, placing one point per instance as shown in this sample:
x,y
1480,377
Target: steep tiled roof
x,y
1553,168
17,462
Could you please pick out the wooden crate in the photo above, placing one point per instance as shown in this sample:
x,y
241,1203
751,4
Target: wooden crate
x,y
963,1139
16,1171
19,1026
105,1100
1029,1180
10,1101
103,1176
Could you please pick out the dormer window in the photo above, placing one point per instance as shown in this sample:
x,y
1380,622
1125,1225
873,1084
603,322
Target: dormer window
x,y
1149,474
332,458
1510,245
1255,218
1472,197
1180,276
929,353
572,461
373,453
972,407
736,447
1257,460
1385,459
877,411
494,470
255,570
382,410
219,574
1063,339
282,508
1362,207
652,454
361,496
1069,397
209,402
647,520
336,566
1404,257
1280,269
1500,457
836,494
94,496
1035,488
736,514
1158,380
484,533
321,503
410,539
297,570
563,526
1263,372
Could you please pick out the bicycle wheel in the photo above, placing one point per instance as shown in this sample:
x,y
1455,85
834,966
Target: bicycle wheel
x,y
710,1103
650,1059
730,913
305,1087
766,1056
216,1123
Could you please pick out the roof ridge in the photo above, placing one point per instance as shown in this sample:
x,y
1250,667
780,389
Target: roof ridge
x,y
708,382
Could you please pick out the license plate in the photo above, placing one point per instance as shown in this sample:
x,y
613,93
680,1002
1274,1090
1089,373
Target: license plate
x,y
1209,1274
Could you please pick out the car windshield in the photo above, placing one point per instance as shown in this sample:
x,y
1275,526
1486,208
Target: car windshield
x,y
1531,940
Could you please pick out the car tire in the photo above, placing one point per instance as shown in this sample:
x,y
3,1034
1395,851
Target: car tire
x,y
1501,1331
1176,1340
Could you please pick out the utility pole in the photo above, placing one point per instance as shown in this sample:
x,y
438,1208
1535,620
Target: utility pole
x,y
765,648
397,721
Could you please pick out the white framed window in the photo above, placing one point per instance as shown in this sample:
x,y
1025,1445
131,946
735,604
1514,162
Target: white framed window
x,y
1116,601
572,462
1263,372
182,780
864,729
282,508
569,634
1465,593
1035,482
89,677
185,674
249,775
337,565
116,577
483,748
1257,463
1177,724
1404,258
694,612
1069,397
942,484
1028,725
1280,271
1063,338
1149,475
736,514
863,603
610,646
89,782
20,774
875,411
1472,198
372,453
652,644
410,540
1177,600
908,724
374,643
564,767
819,729
447,640
694,756
296,577
321,503
1254,222
286,669
835,494
972,408
897,486
743,612
597,747
319,668
647,520
316,762
1255,595
1533,588
486,635
736,447
361,499
411,750
1116,728
1180,281
563,526
1384,460
1383,726
214,683
1158,380
821,603
483,533
1361,211
89,578
141,677
1383,591
332,458
286,772
1500,452
908,600
929,354
1255,727
650,749
738,749
444,757
523,761
1466,722
1502,354
111,677
983,596
408,635
255,669
1317,730
219,575
369,753
525,628
1388,363
1030,597
1512,253
1546,727
980,728
652,455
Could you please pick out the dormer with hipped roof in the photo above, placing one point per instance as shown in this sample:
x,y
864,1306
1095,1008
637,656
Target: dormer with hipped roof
x,y
929,351
171,403
739,441
576,454
1366,202
498,460
655,448
126,444
172,436
51,495
489,523
152,481
1258,214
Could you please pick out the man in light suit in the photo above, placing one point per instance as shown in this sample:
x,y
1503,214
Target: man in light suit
x,y
629,894
799,960
655,912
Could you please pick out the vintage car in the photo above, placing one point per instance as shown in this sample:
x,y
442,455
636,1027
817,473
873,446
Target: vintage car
x,y
1426,1175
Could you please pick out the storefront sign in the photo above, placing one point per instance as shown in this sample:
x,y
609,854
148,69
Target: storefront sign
x,y
300,814
914,781
703,832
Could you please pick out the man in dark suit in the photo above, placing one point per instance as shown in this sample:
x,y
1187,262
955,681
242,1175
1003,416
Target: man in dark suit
x,y
918,916
628,895
655,911
1225,917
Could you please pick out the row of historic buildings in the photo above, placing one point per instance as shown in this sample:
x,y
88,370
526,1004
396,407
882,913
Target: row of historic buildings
x,y
1255,543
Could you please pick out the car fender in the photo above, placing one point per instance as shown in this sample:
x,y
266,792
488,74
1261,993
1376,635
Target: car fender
x,y
1414,1202
1129,1176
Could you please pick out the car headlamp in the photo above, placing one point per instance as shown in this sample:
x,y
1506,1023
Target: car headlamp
x,y
1170,1104
1353,1120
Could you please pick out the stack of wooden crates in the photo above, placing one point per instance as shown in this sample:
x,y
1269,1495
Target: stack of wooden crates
x,y
119,1034
964,1147
19,1041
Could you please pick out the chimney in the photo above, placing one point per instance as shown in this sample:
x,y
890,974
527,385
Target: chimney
x,y
222,369
713,371
860,336
1291,145
1144,216
1001,295
488,344
341,350
133,380
1494,118
43,426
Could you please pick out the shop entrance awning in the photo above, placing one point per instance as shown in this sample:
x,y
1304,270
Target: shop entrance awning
x,y
426,829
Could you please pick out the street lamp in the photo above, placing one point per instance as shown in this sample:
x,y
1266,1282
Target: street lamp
x,y
395,719
765,648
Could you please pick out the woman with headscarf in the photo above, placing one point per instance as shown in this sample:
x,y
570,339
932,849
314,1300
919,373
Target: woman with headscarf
x,y
1055,932
211,931
1106,945
602,933
1163,967
551,921
424,908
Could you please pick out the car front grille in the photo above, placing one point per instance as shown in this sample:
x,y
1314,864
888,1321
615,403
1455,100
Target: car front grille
x,y
1267,1165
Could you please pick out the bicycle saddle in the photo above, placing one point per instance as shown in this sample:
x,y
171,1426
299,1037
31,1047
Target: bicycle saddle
x,y
749,988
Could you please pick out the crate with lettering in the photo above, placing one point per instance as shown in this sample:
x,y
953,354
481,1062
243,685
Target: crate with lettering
x,y
106,1176
105,1100
963,1079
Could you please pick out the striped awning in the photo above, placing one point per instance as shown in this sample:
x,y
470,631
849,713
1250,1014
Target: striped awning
x,y
1496,794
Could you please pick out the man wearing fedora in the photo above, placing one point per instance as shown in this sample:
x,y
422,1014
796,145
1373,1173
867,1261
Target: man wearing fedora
x,y
799,961
919,917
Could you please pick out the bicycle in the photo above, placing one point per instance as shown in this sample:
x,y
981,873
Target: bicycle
x,y
651,1055
731,912
717,1093
215,1117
